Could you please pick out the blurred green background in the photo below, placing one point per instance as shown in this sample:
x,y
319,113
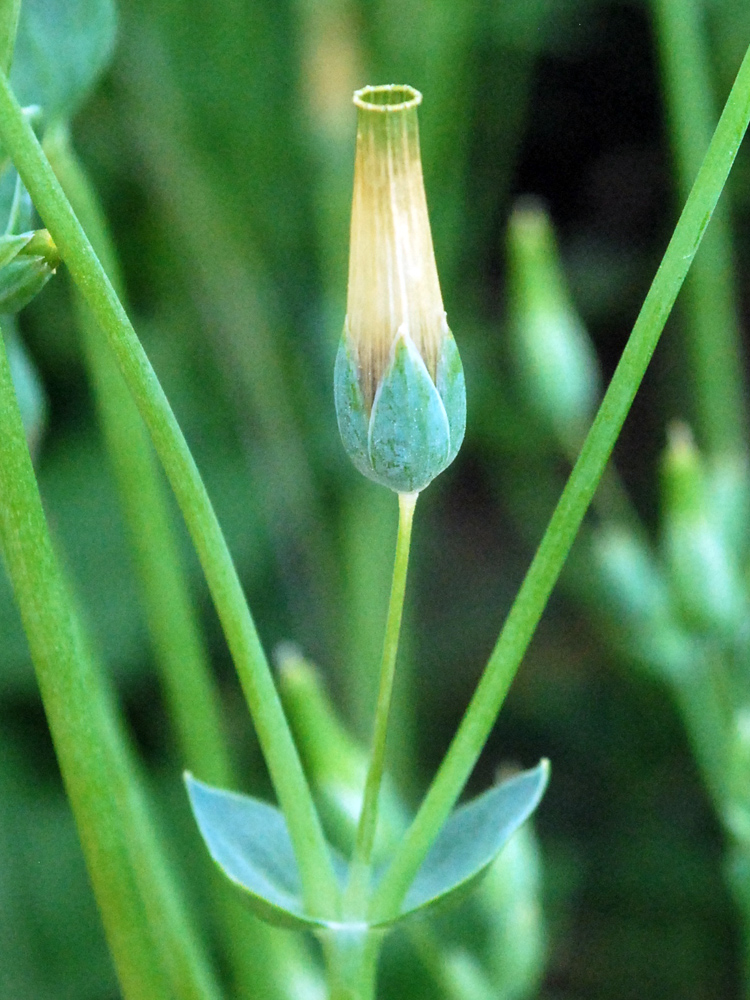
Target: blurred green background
x,y
221,143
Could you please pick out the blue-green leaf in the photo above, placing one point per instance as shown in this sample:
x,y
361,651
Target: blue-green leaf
x,y
62,47
21,280
249,840
473,837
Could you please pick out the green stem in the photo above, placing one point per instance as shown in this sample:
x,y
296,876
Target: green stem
x,y
351,963
316,871
9,11
550,556
155,951
181,655
368,818
713,334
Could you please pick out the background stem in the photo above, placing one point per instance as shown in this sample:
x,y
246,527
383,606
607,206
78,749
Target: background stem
x,y
181,656
9,11
155,951
711,321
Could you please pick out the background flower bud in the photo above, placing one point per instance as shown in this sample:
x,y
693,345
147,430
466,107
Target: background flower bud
x,y
398,382
557,364
27,262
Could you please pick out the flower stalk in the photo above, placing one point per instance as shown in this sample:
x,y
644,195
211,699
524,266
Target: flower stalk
x,y
368,818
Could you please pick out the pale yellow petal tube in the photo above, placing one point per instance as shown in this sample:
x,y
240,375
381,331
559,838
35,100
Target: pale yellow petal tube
x,y
393,280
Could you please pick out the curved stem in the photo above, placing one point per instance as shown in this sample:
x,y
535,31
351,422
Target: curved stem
x,y
550,556
316,870
368,818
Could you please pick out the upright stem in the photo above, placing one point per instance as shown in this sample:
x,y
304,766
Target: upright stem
x,y
552,552
155,949
712,326
180,651
368,819
351,962
316,871
9,11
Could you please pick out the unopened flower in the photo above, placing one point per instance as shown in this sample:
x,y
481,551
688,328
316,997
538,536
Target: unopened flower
x,y
399,383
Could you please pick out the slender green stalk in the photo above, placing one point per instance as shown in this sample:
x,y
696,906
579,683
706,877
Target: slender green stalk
x,y
316,872
155,952
351,962
550,556
368,818
181,655
713,334
9,11
366,518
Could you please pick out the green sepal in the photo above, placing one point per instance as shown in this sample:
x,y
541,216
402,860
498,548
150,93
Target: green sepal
x,y
249,841
21,280
471,839
350,407
11,246
451,387
409,435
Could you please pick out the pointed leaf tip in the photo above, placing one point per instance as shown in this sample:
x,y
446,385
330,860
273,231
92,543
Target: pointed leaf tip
x,y
249,841
472,838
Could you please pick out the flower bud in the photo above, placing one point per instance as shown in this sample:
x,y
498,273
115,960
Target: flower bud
x,y
557,363
27,262
398,382
704,573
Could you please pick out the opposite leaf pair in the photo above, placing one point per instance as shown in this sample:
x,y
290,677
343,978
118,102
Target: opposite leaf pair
x,y
248,839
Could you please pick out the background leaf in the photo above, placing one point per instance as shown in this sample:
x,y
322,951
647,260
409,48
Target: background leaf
x,y
62,47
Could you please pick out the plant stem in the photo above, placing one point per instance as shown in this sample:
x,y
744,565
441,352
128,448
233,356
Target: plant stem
x,y
9,11
713,334
155,951
351,963
316,871
547,564
181,654
368,817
